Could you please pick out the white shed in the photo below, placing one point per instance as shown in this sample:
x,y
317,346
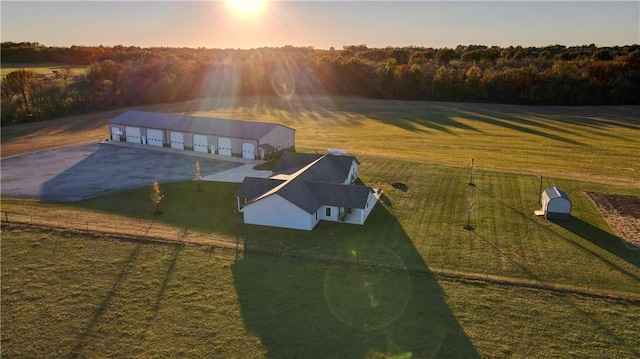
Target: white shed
x,y
555,204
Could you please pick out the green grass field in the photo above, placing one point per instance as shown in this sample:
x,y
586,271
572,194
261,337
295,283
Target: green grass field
x,y
598,144
298,294
424,226
42,69
69,296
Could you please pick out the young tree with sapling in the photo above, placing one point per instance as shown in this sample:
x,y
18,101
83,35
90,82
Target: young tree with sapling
x,y
156,196
197,176
470,206
471,168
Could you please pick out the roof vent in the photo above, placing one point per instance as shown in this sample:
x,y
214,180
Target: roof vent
x,y
335,151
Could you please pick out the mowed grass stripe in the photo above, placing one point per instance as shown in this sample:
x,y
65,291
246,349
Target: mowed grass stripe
x,y
508,239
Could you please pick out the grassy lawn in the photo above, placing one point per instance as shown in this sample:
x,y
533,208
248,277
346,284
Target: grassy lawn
x,y
43,69
104,298
298,294
422,223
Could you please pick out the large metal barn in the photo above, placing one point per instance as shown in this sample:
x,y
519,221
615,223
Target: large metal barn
x,y
246,139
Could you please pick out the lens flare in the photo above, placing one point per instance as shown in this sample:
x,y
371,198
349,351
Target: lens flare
x,y
283,83
368,299
246,8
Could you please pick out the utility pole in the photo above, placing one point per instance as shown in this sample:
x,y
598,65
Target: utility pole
x,y
471,173
540,191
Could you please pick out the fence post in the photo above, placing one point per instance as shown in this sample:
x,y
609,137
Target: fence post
x,y
6,215
237,241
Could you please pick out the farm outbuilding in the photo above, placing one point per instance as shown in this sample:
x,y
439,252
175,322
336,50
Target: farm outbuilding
x,y
555,204
247,139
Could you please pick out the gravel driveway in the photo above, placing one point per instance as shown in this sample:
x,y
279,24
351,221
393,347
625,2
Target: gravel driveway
x,y
88,170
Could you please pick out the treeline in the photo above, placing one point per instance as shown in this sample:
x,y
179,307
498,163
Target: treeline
x,y
127,76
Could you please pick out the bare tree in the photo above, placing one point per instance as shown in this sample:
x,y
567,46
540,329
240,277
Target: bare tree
x,y
18,82
197,176
156,196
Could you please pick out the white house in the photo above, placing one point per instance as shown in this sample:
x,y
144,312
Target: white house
x,y
304,190
247,139
555,204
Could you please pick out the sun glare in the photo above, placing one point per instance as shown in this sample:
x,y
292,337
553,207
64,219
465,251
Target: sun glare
x,y
246,8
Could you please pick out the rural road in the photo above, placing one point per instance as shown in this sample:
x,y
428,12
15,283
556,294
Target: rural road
x,y
82,171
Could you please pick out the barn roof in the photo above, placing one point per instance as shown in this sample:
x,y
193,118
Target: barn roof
x,y
193,124
312,181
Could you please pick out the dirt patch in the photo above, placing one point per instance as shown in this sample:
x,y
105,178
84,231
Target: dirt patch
x,y
622,213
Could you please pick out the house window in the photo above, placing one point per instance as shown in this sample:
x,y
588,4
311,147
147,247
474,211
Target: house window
x,y
327,212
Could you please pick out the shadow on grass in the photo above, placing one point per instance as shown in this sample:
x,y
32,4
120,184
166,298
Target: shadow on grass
x,y
102,308
354,292
174,258
605,240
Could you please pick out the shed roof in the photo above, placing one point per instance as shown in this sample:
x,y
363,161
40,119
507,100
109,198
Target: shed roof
x,y
554,192
193,124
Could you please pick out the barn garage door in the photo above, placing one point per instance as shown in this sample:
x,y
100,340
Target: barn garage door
x,y
200,143
155,138
249,150
177,140
133,134
116,132
224,146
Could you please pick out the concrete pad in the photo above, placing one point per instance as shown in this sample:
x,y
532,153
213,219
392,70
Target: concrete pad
x,y
88,170
237,175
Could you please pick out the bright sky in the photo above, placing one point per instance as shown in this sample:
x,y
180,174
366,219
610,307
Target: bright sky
x,y
321,24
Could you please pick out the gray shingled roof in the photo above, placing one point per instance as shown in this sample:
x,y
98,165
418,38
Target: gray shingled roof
x,y
341,195
253,187
320,184
291,162
203,125
333,168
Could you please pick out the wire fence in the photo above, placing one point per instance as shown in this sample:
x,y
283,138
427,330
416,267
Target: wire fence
x,y
115,226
